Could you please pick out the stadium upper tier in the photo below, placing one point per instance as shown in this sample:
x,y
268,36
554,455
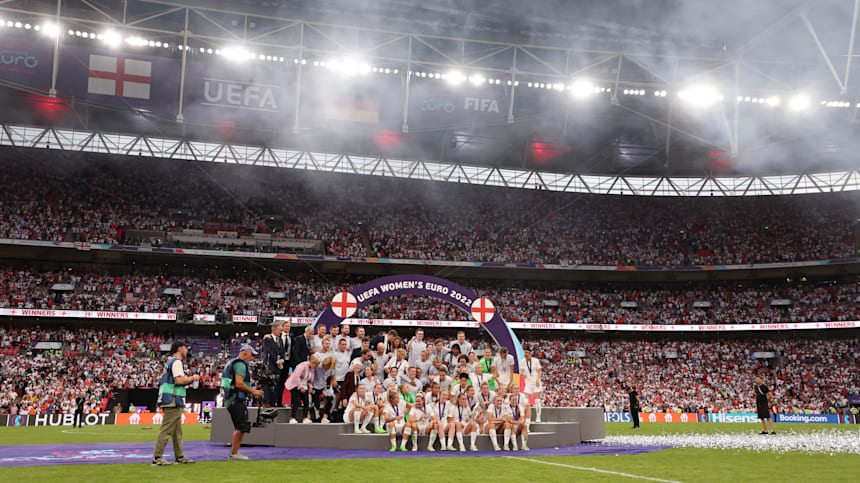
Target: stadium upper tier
x,y
532,302
186,204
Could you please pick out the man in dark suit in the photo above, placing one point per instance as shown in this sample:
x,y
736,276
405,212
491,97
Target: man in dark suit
x,y
350,382
302,346
388,339
365,344
288,341
274,356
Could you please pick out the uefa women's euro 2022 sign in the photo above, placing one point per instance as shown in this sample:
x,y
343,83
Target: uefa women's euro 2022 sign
x,y
345,304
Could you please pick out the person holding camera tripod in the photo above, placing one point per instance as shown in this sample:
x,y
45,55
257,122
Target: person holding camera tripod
x,y
171,399
235,388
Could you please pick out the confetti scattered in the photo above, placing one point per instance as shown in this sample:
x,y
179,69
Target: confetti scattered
x,y
829,441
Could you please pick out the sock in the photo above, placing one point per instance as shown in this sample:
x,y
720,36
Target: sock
x,y
394,441
494,438
415,440
406,433
377,422
433,434
525,439
460,439
538,407
473,436
450,443
528,422
355,419
507,437
366,421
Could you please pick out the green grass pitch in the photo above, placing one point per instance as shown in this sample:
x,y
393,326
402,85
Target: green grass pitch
x,y
677,464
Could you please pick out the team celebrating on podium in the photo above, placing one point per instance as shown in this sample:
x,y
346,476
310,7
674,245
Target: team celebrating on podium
x,y
406,388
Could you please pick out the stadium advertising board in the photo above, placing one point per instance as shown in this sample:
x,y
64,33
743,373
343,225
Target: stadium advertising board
x,y
669,417
17,420
331,102
255,94
26,60
730,418
69,419
807,418
84,314
434,104
120,77
617,418
151,418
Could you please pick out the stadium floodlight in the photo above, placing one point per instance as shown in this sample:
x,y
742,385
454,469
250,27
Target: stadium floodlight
x,y
27,26
455,77
581,89
111,38
50,29
799,102
237,54
773,101
477,79
18,25
700,96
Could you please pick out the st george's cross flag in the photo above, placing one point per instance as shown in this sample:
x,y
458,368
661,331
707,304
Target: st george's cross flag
x,y
118,76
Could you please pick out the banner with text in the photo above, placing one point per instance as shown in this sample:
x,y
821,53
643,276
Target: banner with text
x,y
26,59
83,314
151,418
436,104
252,94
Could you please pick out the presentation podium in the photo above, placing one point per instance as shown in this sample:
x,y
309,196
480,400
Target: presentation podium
x,y
560,427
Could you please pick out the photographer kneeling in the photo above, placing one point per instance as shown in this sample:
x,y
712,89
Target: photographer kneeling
x,y
235,389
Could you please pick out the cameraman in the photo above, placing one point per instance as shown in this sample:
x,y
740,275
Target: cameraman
x,y
235,392
171,399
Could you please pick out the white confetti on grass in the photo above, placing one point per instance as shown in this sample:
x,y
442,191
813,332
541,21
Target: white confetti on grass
x,y
829,441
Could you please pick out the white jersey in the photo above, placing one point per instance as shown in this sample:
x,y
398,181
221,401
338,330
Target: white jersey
x,y
505,367
529,370
393,411
481,399
517,412
492,412
460,414
456,390
440,410
416,413
377,399
429,398
356,402
401,365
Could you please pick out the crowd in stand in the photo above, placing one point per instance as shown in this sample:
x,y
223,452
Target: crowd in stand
x,y
670,375
90,363
729,303
98,201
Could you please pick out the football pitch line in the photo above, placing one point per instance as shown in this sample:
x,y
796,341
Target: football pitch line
x,y
596,470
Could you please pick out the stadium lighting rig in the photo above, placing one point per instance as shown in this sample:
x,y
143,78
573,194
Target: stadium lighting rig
x,y
700,96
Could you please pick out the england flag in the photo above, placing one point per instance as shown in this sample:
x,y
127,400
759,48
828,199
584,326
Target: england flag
x,y
117,76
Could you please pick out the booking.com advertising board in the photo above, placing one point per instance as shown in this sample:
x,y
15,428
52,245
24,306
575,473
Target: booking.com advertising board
x,y
729,418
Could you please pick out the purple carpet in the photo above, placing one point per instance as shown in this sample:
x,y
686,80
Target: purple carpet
x,y
103,453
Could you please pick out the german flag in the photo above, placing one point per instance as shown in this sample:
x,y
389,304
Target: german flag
x,y
353,109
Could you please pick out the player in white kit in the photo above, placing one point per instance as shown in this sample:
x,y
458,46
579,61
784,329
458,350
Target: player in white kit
x,y
419,420
532,371
503,367
464,422
359,410
516,419
497,419
395,421
441,409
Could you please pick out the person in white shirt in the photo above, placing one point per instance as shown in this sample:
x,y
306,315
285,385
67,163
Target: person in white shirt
x,y
424,364
381,360
444,381
377,398
393,378
399,361
415,346
395,421
355,342
439,350
465,346
344,335
461,387
440,417
341,360
516,420
475,405
464,422
532,371
419,419
370,380
316,343
515,397
496,417
359,409
503,367
432,396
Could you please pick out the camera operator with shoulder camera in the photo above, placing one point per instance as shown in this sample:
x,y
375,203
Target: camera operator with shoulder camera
x,y
235,388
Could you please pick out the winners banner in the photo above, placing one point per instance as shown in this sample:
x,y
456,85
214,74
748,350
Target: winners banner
x,y
120,77
250,94
84,314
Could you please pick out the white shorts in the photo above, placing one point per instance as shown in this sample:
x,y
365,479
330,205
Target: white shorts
x,y
398,427
348,419
422,427
531,387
